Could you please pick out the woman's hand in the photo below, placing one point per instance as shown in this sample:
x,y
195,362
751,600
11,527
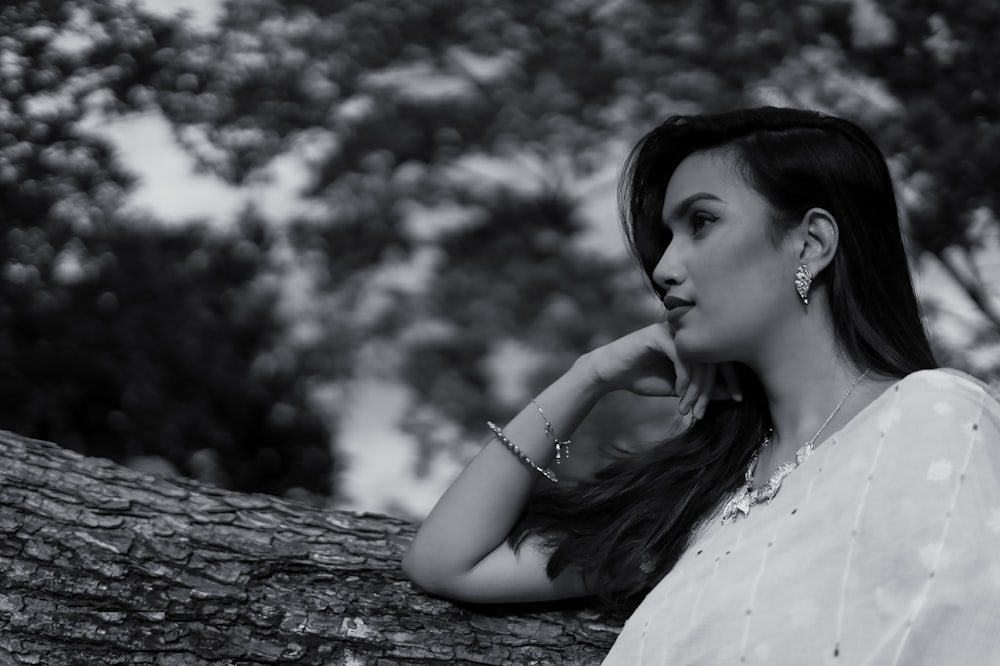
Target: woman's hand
x,y
460,550
645,362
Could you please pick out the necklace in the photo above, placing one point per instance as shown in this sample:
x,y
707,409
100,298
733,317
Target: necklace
x,y
745,496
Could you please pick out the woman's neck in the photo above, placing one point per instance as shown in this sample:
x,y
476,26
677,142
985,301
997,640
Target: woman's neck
x,y
804,384
808,405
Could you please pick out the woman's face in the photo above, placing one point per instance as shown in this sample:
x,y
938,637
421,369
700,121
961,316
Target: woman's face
x,y
728,287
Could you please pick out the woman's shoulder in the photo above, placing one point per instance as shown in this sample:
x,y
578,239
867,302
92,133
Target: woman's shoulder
x,y
946,382
930,415
937,415
925,501
943,396
932,443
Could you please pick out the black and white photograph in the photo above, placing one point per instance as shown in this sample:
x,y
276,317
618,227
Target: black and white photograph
x,y
499,332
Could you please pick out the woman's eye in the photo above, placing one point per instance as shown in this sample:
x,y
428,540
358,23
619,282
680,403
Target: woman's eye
x,y
699,220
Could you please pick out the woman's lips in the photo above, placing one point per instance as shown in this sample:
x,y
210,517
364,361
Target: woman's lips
x,y
676,307
671,302
676,313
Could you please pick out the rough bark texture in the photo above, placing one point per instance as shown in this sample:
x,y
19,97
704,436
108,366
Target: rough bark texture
x,y
104,565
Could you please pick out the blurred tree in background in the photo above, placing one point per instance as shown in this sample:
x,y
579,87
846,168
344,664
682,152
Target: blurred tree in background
x,y
119,337
458,150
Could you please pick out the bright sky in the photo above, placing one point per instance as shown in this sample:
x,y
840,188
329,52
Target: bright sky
x,y
381,459
203,13
169,185
173,188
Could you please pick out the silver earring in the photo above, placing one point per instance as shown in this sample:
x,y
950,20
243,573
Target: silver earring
x,y
803,280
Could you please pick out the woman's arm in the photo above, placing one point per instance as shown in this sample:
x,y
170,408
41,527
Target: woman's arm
x,y
460,550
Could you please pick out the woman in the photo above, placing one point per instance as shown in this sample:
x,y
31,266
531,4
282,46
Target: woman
x,y
834,499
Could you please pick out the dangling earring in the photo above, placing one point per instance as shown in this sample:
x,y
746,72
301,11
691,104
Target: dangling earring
x,y
803,280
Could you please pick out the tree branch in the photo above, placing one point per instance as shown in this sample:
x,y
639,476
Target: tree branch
x,y
100,564
961,267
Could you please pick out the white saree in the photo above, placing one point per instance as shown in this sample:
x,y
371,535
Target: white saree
x,y
882,548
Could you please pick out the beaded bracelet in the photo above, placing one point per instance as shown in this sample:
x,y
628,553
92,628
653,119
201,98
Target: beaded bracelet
x,y
519,453
562,445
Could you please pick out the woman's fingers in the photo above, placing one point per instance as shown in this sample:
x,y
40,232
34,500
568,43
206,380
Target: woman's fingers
x,y
696,384
732,381
698,394
686,385
693,389
709,382
664,343
705,391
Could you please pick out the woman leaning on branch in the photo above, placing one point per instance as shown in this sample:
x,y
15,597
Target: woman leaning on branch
x,y
835,497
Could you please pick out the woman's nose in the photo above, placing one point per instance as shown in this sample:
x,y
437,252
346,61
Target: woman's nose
x,y
669,271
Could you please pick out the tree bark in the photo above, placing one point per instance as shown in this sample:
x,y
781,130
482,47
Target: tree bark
x,y
100,564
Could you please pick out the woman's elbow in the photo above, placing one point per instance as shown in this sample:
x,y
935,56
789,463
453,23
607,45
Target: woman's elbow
x,y
423,573
411,567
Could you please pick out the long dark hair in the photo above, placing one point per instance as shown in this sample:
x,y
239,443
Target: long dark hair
x,y
625,529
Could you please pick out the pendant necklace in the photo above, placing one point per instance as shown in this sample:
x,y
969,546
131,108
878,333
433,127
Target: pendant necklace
x,y
745,496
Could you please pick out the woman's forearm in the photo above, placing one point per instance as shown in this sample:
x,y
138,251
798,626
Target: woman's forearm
x,y
477,512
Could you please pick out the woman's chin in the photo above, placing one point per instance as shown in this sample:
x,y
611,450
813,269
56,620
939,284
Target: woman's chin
x,y
695,349
689,347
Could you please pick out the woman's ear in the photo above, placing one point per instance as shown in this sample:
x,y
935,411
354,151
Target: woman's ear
x,y
818,238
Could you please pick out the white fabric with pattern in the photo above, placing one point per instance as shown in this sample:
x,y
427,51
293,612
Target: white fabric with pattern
x,y
883,548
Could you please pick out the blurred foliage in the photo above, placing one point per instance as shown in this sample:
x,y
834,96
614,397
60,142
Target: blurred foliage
x,y
455,147
119,337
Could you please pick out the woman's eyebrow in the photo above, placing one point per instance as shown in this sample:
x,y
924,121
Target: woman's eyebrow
x,y
681,209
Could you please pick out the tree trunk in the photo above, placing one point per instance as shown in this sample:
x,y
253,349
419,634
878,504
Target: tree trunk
x,y
104,565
